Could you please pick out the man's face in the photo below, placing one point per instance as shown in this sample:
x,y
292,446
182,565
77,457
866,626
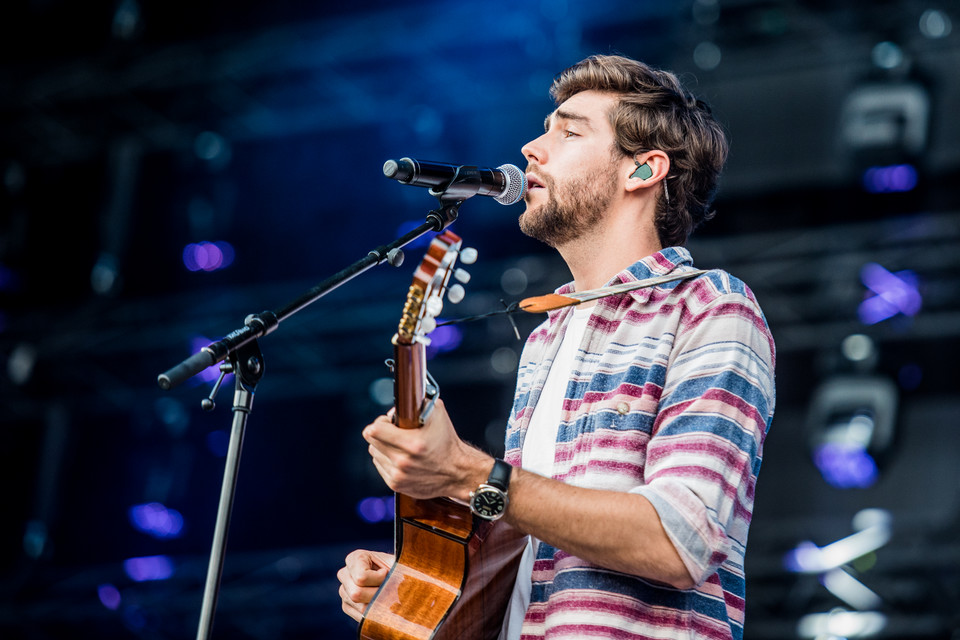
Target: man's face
x,y
572,171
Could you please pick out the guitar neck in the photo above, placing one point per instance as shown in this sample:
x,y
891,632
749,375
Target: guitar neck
x,y
409,382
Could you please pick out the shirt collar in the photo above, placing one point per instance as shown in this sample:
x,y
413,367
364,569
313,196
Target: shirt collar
x,y
661,263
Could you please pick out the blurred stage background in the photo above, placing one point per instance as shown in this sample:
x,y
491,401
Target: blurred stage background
x,y
169,167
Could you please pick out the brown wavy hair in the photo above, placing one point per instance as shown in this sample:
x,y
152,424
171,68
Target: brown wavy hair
x,y
655,112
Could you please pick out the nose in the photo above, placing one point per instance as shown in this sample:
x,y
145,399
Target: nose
x,y
535,150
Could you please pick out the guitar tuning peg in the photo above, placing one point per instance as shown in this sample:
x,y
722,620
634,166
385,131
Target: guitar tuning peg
x,y
434,307
427,325
468,255
455,293
461,275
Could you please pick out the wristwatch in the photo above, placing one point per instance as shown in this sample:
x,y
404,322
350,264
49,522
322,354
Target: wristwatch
x,y
490,500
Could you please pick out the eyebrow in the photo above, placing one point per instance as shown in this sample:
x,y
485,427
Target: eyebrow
x,y
566,115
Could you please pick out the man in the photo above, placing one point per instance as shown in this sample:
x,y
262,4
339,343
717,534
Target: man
x,y
638,424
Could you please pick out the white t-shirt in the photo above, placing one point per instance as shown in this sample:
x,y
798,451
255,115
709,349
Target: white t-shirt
x,y
539,450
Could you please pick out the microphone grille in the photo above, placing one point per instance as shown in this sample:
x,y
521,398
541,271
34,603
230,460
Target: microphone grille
x,y
516,185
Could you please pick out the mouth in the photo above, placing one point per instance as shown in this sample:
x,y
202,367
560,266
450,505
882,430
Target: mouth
x,y
533,182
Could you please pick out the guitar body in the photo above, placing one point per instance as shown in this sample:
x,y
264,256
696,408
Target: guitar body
x,y
452,578
453,573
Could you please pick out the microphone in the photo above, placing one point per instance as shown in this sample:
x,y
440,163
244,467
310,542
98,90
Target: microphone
x,y
506,184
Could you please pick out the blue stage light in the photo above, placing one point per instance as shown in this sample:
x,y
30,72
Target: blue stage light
x,y
148,568
895,178
156,520
444,338
208,256
892,293
376,509
109,596
846,465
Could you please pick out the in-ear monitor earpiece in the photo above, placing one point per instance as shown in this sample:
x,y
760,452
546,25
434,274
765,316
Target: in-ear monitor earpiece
x,y
643,171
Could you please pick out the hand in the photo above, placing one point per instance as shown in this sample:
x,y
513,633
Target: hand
x,y
428,462
363,573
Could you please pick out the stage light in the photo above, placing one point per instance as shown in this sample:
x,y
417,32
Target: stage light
x,y
173,414
376,509
208,256
504,360
148,568
847,465
890,294
851,419
707,55
105,274
109,596
873,531
706,12
841,624
381,391
156,520
21,363
935,24
896,178
884,126
213,148
887,55
851,422
35,539
127,20
514,281
850,590
443,339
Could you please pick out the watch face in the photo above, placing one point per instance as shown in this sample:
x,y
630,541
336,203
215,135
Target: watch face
x,y
489,502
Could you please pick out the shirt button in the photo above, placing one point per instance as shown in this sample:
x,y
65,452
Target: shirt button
x,y
623,408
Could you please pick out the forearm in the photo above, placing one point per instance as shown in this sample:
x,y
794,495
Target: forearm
x,y
616,530
612,529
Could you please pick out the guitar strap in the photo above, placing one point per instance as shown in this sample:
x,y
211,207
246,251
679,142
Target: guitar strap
x,y
551,301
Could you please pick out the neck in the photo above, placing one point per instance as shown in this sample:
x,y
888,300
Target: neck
x,y
618,241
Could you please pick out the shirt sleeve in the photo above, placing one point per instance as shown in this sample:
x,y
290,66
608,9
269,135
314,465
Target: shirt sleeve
x,y
706,446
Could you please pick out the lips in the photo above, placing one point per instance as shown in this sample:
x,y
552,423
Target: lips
x,y
533,182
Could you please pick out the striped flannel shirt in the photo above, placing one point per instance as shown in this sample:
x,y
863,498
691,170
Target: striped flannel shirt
x,y
670,397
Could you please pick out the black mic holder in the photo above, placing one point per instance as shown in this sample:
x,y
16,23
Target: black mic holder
x,y
461,186
241,353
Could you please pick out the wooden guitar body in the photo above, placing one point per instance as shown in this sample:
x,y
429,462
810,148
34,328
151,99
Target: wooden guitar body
x,y
453,573
451,579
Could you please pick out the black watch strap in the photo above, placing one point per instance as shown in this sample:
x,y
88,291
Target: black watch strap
x,y
500,475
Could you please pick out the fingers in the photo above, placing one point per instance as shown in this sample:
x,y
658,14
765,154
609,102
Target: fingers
x,y
360,577
382,432
349,607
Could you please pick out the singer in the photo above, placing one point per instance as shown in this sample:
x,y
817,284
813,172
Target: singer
x,y
637,429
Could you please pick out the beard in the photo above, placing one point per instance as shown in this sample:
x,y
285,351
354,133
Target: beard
x,y
572,208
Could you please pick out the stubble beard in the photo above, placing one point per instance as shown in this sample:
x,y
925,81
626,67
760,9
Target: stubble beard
x,y
571,209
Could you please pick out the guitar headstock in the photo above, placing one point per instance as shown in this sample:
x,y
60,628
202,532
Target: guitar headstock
x,y
430,280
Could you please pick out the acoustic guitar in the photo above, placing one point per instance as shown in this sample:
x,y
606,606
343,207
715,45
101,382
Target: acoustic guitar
x,y
453,573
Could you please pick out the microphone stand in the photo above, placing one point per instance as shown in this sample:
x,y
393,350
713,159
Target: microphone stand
x,y
242,353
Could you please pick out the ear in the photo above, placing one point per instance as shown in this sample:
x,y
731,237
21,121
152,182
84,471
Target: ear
x,y
658,166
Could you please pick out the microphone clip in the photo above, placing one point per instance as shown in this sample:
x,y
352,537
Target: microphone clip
x,y
460,187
